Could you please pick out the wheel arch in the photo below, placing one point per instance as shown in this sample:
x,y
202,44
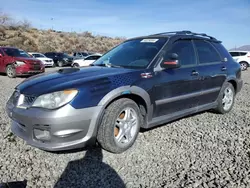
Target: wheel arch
x,y
137,94
233,82
11,63
244,61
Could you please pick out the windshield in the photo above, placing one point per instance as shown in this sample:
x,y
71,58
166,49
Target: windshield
x,y
15,52
136,53
64,55
38,55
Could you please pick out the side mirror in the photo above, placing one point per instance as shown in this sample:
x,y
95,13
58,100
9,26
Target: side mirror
x,y
170,61
1,55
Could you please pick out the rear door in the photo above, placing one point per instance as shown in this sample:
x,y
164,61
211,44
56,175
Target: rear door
x,y
235,54
212,71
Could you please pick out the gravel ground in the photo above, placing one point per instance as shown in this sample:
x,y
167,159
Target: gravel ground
x,y
205,150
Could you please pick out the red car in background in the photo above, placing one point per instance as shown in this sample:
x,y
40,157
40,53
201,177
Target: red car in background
x,y
14,62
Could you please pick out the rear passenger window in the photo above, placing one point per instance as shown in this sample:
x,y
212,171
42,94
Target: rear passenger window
x,y
96,57
234,54
185,51
206,52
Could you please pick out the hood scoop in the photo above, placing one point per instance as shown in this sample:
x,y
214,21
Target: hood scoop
x,y
68,70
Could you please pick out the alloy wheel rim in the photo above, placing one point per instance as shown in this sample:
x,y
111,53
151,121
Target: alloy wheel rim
x,y
243,66
126,126
10,71
227,99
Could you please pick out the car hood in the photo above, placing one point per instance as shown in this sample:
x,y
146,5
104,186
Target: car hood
x,y
43,58
27,60
66,78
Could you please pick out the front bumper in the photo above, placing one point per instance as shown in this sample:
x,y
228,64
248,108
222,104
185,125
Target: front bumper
x,y
48,64
27,70
54,130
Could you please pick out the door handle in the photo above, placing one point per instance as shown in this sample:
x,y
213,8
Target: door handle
x,y
224,68
195,73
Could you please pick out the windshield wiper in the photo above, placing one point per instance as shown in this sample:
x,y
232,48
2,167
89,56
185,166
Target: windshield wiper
x,y
112,65
107,65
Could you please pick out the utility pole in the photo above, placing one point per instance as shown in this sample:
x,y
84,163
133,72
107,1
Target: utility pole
x,y
52,22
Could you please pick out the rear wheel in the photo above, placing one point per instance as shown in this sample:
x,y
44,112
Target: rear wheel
x,y
76,65
243,65
226,98
120,126
11,71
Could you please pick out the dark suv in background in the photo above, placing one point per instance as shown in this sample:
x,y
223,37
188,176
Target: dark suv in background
x,y
60,59
141,83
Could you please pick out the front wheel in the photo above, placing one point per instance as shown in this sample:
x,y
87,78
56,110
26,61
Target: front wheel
x,y
60,63
120,126
226,98
11,71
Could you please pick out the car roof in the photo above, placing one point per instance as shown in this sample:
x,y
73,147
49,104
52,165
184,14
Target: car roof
x,y
180,34
35,53
239,51
10,47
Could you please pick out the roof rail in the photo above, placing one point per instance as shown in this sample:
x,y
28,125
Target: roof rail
x,y
186,33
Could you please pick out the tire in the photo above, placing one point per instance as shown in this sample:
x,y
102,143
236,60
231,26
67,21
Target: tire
x,y
243,66
59,63
76,65
110,132
226,101
11,71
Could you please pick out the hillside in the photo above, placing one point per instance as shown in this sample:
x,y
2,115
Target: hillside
x,y
22,35
244,48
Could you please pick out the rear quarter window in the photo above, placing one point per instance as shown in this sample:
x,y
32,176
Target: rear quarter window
x,y
223,51
243,53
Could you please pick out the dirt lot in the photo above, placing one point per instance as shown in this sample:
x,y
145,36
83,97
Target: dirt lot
x,y
205,150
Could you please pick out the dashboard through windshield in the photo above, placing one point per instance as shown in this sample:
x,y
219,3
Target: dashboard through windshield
x,y
135,53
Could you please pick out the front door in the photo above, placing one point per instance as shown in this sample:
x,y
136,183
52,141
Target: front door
x,y
2,65
178,88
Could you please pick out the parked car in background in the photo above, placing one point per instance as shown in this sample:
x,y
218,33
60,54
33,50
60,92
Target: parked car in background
x,y
141,83
15,62
60,59
85,61
48,62
241,57
80,55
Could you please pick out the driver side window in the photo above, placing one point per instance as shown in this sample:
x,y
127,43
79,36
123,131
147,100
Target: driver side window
x,y
185,51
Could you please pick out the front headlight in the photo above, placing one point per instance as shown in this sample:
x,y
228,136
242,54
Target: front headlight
x,y
55,99
19,63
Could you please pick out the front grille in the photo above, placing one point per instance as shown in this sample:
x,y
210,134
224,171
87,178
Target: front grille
x,y
36,67
26,102
29,100
48,60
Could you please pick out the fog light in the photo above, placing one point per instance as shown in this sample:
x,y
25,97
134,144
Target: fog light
x,y
43,135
